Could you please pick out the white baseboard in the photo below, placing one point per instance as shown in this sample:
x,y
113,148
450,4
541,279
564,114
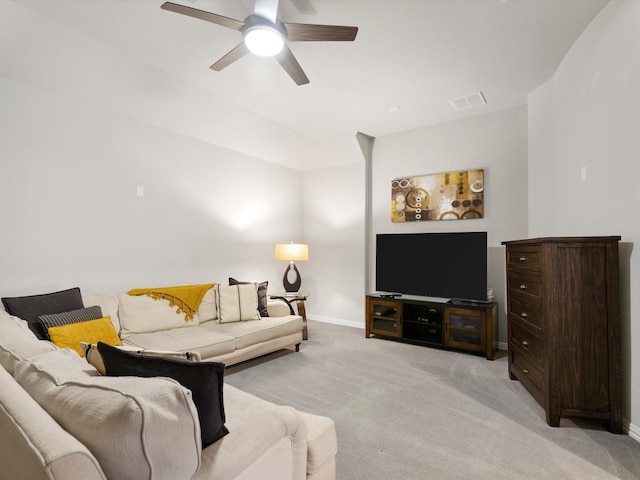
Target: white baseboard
x,y
336,321
632,430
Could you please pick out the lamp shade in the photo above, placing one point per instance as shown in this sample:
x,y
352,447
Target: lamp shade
x,y
295,252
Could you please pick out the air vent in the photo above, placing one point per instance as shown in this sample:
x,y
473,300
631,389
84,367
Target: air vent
x,y
468,101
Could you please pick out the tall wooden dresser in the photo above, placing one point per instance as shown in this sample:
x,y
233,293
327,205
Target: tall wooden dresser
x,y
564,325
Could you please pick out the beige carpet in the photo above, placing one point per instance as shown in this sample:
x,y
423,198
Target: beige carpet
x,y
410,412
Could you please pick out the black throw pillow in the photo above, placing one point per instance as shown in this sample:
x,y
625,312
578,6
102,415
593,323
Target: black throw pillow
x,y
262,295
29,308
204,379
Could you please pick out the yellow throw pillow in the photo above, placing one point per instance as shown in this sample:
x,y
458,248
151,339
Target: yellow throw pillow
x,y
91,331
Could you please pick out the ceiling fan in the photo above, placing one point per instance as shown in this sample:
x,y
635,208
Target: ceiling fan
x,y
264,34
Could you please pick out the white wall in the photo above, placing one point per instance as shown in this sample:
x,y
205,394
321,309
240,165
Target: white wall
x,y
37,51
588,115
333,226
83,124
495,142
68,181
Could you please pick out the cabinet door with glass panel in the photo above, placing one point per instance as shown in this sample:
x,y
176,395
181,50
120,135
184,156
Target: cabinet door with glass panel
x,y
384,318
465,328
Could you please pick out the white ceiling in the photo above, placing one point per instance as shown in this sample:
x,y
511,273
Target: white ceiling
x,y
415,55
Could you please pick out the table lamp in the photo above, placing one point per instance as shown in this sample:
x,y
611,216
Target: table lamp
x,y
292,252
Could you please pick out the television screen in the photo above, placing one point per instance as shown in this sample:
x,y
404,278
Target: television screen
x,y
443,265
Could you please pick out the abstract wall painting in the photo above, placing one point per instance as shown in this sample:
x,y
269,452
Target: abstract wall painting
x,y
455,195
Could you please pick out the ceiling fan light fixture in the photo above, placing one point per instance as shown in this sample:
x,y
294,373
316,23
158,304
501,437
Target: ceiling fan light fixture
x,y
263,40
265,35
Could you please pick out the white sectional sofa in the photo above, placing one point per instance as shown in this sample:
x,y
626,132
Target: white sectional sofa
x,y
152,324
61,419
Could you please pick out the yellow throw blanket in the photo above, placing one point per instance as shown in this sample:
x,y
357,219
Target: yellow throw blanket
x,y
186,297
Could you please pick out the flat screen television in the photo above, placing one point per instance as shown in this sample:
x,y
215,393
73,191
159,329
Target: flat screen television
x,y
442,265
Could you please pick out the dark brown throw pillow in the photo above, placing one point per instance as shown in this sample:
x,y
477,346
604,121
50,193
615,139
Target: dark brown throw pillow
x,y
29,308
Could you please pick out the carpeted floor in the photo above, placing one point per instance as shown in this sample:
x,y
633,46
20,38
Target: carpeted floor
x,y
409,412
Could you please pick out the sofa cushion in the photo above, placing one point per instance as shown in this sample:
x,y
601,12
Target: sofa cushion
x,y
262,295
30,307
18,342
91,331
207,343
136,427
237,303
204,379
108,302
142,314
74,316
251,333
208,306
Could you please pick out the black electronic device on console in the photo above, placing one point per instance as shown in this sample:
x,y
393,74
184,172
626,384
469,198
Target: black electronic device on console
x,y
473,303
390,295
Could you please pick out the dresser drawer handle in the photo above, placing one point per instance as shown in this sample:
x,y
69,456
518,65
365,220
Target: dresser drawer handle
x,y
523,259
525,371
525,343
523,314
523,287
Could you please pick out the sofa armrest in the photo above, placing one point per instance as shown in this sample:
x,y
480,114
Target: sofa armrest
x,y
262,437
33,445
278,308
322,447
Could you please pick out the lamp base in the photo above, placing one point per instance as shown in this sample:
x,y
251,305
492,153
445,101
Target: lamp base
x,y
294,286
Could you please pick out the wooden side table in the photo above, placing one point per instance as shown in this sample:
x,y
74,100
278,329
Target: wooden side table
x,y
299,298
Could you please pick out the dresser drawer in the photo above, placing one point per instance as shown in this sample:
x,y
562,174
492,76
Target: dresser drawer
x,y
523,284
527,338
525,258
530,377
528,311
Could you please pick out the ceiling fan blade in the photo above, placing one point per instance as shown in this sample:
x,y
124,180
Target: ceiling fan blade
x,y
291,66
300,32
267,9
202,15
236,53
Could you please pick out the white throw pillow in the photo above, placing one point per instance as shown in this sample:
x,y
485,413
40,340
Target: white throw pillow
x,y
237,303
143,314
93,356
